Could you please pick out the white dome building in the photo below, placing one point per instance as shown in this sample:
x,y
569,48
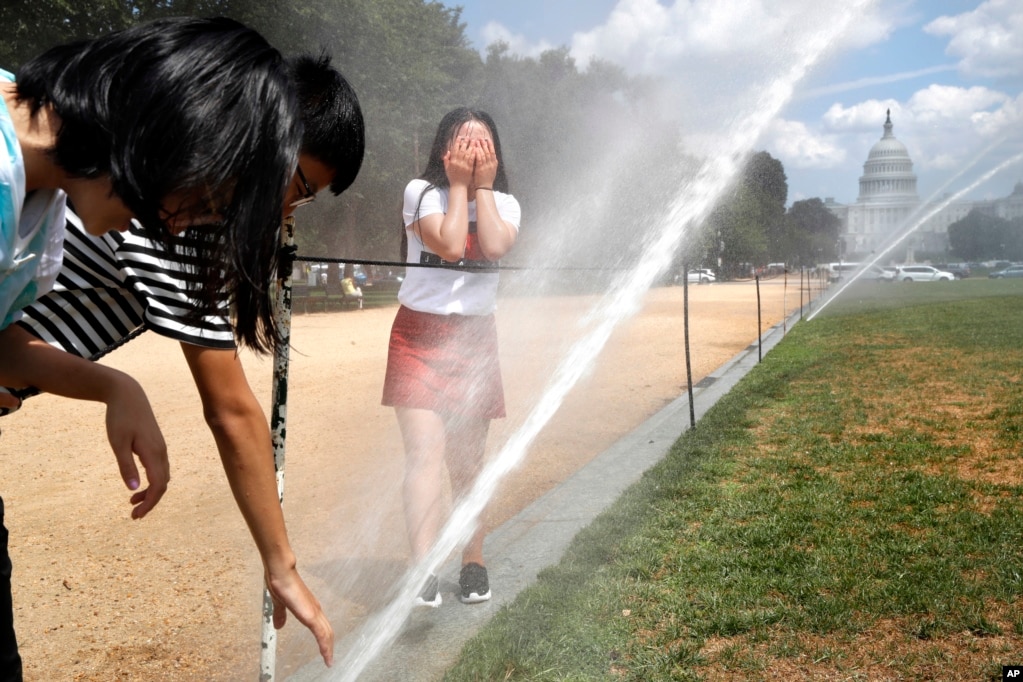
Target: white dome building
x,y
887,195
888,199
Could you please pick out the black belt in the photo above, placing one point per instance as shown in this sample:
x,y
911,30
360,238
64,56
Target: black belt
x,y
463,264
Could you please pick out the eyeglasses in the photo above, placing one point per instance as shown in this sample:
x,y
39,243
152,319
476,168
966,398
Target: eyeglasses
x,y
309,196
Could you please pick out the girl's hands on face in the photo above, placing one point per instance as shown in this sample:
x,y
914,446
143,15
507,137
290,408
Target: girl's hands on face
x,y
486,163
459,161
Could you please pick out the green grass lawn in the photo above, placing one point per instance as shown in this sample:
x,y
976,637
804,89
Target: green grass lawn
x,y
851,510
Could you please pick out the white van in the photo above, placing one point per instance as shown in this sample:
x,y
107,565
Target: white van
x,y
837,271
871,273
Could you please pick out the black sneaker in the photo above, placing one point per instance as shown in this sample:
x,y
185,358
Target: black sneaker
x,y
474,583
430,594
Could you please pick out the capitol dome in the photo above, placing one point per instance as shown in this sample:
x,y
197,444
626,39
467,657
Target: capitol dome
x,y
888,173
888,211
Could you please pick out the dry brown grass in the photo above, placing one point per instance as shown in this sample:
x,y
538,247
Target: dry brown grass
x,y
941,410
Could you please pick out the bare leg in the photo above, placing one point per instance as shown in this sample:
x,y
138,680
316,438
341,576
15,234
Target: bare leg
x,y
423,434
467,440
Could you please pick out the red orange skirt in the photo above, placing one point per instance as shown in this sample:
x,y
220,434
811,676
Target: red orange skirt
x,y
444,363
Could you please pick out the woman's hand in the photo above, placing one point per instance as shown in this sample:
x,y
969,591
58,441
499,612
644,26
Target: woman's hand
x,y
289,593
459,162
132,431
485,169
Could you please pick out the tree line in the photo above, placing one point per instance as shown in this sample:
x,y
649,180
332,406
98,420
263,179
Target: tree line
x,y
589,155
982,236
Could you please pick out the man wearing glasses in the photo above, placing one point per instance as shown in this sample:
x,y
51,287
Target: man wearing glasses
x,y
113,286
307,194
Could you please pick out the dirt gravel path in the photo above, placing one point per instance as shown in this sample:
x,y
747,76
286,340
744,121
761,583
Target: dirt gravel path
x,y
177,596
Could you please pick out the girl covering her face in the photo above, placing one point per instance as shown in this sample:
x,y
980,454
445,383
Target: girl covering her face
x,y
443,376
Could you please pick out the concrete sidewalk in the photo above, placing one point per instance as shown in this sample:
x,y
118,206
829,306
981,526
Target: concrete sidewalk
x,y
538,536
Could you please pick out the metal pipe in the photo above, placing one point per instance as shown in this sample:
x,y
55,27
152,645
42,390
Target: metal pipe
x,y
760,326
685,326
278,421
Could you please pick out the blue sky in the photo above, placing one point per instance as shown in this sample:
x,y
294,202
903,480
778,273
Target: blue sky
x,y
951,71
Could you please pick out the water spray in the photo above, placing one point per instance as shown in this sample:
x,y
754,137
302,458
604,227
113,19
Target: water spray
x,y
691,206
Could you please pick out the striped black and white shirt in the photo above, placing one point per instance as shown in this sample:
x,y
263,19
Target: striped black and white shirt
x,y
110,288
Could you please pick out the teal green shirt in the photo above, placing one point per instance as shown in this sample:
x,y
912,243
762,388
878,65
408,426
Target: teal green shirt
x,y
31,228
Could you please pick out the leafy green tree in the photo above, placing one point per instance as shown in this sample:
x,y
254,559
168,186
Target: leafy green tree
x,y
1014,240
748,224
981,236
32,26
811,233
407,59
765,176
588,161
410,62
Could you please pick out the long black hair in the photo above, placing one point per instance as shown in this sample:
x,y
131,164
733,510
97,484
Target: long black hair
x,y
434,172
192,107
446,131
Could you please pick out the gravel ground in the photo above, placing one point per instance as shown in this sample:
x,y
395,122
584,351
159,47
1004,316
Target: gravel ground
x,y
177,596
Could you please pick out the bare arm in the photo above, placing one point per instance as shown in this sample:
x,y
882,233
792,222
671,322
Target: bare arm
x,y
496,236
470,165
131,426
445,233
243,438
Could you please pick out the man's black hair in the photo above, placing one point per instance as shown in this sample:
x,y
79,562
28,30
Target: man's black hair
x,y
334,129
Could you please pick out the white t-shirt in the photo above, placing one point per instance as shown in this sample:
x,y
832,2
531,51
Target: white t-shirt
x,y
443,291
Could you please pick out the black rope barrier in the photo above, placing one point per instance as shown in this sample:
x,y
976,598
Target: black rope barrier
x,y
288,256
488,267
446,266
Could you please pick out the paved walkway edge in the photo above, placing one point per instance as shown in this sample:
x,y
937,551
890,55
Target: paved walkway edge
x,y
538,536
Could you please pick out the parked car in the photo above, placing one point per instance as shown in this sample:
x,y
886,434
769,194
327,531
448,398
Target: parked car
x,y
837,271
960,270
875,273
870,273
1011,271
888,273
922,273
701,276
